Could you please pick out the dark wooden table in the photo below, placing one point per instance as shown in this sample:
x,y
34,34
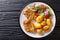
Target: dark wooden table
x,y
9,19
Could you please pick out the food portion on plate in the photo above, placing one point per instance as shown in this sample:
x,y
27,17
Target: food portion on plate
x,y
39,18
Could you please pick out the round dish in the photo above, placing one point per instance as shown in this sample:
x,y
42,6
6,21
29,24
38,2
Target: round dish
x,y
34,35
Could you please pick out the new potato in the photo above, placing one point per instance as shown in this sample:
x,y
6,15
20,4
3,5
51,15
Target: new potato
x,y
45,28
37,25
43,23
39,31
48,21
39,19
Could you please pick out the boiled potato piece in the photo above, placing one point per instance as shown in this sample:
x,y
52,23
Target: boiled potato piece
x,y
43,23
39,31
45,28
37,25
48,21
39,19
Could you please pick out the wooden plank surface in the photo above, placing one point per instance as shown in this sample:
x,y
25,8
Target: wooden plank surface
x,y
9,19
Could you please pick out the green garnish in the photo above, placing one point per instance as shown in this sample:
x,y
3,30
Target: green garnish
x,y
50,13
40,11
39,8
41,14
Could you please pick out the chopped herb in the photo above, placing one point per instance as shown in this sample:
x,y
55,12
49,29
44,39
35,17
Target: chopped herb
x,y
39,8
40,11
41,14
50,13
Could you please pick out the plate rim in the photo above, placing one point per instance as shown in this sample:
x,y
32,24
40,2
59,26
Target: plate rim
x,y
54,18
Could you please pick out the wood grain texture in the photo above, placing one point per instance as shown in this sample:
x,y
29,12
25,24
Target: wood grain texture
x,y
9,19
17,5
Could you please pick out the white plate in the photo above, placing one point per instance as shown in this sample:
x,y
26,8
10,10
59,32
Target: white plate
x,y
34,35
